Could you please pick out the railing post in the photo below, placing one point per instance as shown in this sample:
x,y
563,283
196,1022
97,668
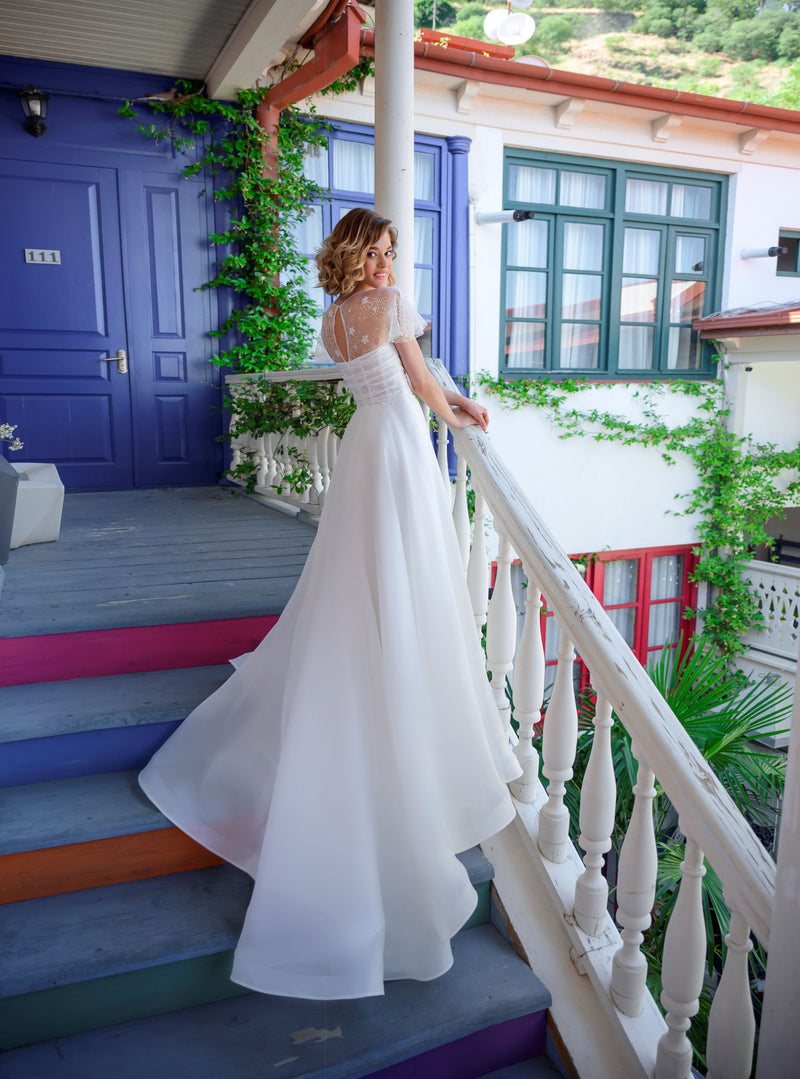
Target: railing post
x,y
501,632
442,438
461,510
598,805
528,693
682,968
731,1022
636,889
478,566
559,740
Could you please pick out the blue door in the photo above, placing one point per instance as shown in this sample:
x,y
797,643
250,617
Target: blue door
x,y
103,335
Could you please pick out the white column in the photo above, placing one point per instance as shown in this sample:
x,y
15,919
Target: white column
x,y
559,740
394,128
731,1022
598,804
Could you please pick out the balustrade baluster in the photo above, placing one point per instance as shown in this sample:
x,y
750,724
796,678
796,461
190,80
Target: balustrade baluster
x,y
682,968
558,755
262,462
303,444
442,438
598,803
461,511
528,693
270,442
636,889
478,565
501,631
317,485
731,1023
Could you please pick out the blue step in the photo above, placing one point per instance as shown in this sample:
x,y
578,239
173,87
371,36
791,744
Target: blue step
x,y
60,730
487,1012
537,1068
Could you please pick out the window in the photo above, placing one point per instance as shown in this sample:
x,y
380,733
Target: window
x,y
345,168
789,264
610,273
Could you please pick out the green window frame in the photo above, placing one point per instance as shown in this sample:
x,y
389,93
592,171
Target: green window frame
x,y
789,264
607,278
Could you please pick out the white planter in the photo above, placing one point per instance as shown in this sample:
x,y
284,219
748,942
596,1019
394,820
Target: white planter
x,y
40,499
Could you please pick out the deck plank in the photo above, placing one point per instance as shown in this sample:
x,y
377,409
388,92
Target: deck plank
x,y
136,558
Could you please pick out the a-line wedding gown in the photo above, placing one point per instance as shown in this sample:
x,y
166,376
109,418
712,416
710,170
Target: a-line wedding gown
x,y
358,748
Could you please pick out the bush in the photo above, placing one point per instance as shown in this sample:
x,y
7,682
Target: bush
x,y
670,19
709,66
788,47
554,30
423,13
471,11
752,39
708,30
472,27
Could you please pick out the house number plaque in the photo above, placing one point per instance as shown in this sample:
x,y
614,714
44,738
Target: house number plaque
x,y
38,257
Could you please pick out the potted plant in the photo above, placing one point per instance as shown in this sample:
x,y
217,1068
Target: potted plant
x,y
9,479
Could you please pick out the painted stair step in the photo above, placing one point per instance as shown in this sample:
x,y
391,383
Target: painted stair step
x,y
487,1012
57,730
106,955
126,650
540,1067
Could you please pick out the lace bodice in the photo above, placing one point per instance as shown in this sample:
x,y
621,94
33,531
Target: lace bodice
x,y
370,323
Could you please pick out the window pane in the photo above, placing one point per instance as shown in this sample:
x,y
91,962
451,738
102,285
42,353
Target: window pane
x,y
585,189
635,348
353,166
691,201
526,294
686,300
423,239
583,246
308,231
690,254
665,622
580,297
424,176
624,618
423,291
666,577
646,197
526,184
620,581
638,300
641,251
789,263
579,345
527,243
525,344
683,354
315,165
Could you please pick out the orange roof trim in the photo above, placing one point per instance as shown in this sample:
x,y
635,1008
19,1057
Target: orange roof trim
x,y
760,319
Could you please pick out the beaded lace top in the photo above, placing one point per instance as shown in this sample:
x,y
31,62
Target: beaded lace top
x,y
370,323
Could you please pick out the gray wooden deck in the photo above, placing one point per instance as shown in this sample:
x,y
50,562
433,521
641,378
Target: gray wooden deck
x,y
152,557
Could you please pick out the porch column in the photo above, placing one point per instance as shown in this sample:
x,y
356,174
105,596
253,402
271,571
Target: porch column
x,y
779,1039
458,146
394,128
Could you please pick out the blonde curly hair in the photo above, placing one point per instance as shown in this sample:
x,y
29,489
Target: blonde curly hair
x,y
340,260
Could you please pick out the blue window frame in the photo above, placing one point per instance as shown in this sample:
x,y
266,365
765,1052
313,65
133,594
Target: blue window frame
x,y
609,275
345,168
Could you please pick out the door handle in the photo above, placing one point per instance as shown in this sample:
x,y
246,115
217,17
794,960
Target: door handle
x,y
121,360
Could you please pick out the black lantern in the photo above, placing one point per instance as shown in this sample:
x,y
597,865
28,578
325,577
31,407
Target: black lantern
x,y
34,105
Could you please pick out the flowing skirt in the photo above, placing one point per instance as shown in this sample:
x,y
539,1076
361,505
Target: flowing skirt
x,y
358,748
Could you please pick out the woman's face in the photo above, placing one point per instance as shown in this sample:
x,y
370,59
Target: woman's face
x,y
378,263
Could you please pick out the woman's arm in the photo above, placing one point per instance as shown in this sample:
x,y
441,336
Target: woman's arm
x,y
428,390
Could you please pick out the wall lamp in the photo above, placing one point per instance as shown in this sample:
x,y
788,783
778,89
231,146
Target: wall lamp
x,y
34,105
500,216
763,252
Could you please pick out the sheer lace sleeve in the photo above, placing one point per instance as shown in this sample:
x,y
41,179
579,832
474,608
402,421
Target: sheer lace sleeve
x,y
404,321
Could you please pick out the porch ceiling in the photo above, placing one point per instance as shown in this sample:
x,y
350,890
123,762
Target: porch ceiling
x,y
226,43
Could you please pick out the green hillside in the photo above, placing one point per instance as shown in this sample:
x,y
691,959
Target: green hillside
x,y
727,48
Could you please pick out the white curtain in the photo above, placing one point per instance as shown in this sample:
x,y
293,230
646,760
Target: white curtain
x,y
525,343
527,243
424,172
635,348
315,165
691,201
641,251
579,345
646,197
423,240
585,189
581,295
526,294
683,352
528,184
583,246
353,166
690,254
423,291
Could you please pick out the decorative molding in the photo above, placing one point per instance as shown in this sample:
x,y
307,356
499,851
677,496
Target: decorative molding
x,y
366,87
663,126
466,92
568,111
749,141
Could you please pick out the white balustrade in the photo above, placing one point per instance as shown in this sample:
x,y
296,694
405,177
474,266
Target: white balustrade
x,y
777,591
528,693
682,968
731,1023
559,741
478,566
598,805
442,440
636,889
461,511
501,632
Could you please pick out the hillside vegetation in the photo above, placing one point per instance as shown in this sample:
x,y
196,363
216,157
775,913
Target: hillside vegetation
x,y
727,48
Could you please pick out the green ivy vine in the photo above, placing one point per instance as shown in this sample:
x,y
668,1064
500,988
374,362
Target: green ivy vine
x,y
737,490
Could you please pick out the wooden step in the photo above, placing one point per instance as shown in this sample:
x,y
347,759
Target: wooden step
x,y
487,1012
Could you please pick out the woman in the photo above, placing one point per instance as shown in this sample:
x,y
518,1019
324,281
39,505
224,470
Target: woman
x,y
358,748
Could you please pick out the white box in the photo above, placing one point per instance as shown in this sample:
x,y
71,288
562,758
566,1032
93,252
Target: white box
x,y
40,500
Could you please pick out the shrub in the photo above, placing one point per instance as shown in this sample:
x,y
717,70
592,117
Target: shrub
x,y
470,11
423,13
788,47
554,30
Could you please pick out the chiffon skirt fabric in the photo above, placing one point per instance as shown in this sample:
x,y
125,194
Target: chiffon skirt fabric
x,y
358,748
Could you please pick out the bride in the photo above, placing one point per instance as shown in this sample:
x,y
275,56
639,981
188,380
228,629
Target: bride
x,y
358,748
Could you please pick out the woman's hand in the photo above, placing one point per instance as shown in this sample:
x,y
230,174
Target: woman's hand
x,y
476,412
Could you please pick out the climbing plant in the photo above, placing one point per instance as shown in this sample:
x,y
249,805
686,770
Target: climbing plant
x,y
741,482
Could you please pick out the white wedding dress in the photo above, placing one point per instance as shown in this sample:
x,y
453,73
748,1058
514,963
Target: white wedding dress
x,y
358,748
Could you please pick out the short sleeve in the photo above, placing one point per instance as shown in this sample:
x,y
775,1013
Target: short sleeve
x,y
405,323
